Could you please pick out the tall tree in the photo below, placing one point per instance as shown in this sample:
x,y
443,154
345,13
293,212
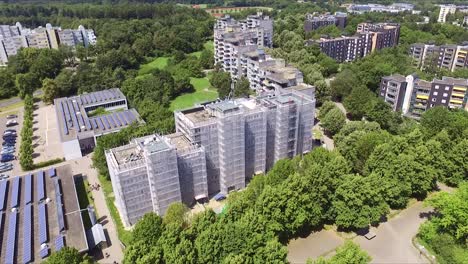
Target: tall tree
x,y
333,121
242,88
68,255
50,90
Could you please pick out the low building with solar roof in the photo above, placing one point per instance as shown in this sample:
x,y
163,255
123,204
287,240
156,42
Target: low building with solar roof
x,y
40,214
79,129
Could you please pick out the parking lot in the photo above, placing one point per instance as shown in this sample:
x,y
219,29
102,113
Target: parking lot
x,y
46,137
3,119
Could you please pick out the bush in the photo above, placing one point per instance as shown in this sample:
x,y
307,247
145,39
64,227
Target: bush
x,y
333,121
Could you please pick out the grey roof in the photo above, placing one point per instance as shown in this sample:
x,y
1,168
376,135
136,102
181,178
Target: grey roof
x,y
73,120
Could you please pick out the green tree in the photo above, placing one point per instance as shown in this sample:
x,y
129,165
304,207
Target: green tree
x,y
26,84
7,84
358,203
359,102
176,214
222,81
242,88
148,229
207,59
326,107
68,255
343,84
50,90
65,81
333,121
349,253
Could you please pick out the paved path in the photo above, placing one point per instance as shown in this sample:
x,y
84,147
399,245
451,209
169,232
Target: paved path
x,y
393,241
313,246
83,165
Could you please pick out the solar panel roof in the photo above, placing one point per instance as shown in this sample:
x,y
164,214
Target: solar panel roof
x,y
42,223
40,185
3,192
28,189
15,192
11,239
27,234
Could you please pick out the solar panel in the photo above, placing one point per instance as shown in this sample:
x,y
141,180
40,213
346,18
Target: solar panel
x,y
104,119
98,96
44,252
131,116
57,187
116,118
101,125
42,223
28,189
84,99
65,128
11,240
65,109
93,98
124,118
40,186
27,234
59,243
52,172
60,219
15,192
95,125
111,120
3,191
73,116
1,223
87,123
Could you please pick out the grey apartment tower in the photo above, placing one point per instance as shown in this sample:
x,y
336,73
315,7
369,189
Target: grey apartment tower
x,y
217,148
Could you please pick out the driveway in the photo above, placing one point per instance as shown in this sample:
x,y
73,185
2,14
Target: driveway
x,y
313,246
393,241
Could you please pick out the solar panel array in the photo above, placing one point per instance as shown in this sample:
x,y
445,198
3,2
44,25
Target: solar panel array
x,y
59,242
28,189
42,223
40,186
59,204
44,252
1,223
15,192
27,234
11,239
3,192
52,172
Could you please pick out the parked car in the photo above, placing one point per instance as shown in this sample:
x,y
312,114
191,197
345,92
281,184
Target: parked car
x,y
8,148
6,168
10,130
10,123
8,144
12,116
9,134
4,176
7,151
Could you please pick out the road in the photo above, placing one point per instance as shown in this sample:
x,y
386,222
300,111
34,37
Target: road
x,y
84,166
393,243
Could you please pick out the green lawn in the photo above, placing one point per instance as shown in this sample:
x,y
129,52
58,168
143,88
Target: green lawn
x,y
203,92
158,63
209,45
85,198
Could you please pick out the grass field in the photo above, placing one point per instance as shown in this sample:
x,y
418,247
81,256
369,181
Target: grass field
x,y
158,63
209,45
203,92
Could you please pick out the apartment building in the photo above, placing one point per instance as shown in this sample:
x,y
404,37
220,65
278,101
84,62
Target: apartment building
x,y
413,96
444,11
393,8
369,38
218,147
315,21
233,38
12,38
449,57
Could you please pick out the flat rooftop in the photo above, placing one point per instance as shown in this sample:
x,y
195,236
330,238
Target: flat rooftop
x,y
74,233
179,140
153,143
197,114
74,122
127,153
395,77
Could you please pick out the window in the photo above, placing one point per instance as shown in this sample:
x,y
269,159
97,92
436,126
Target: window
x,y
444,101
447,88
445,94
433,100
437,87
435,93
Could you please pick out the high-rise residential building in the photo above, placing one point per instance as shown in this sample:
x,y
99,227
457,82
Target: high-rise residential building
x,y
233,38
218,147
393,8
413,96
12,38
369,38
315,21
449,57
444,11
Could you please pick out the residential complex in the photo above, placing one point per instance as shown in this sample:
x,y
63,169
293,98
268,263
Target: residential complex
x,y
393,8
13,38
444,11
368,38
315,21
78,126
413,96
449,57
217,148
239,50
233,38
